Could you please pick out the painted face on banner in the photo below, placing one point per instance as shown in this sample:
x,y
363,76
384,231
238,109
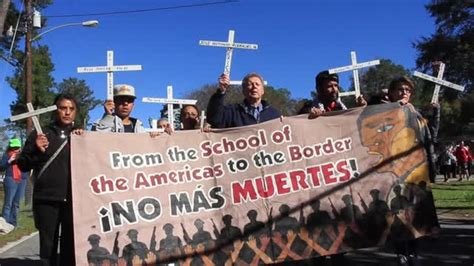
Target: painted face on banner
x,y
66,112
385,135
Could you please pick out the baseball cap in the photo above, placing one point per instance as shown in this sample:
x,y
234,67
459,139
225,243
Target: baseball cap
x,y
124,90
14,143
324,75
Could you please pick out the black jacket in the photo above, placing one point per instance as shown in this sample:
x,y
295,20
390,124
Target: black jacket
x,y
235,115
54,183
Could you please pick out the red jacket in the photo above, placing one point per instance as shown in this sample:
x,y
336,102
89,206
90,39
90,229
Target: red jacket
x,y
462,154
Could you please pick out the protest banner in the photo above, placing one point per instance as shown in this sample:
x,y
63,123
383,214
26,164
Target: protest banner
x,y
287,189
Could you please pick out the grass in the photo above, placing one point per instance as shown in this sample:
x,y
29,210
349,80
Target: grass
x,y
25,227
455,198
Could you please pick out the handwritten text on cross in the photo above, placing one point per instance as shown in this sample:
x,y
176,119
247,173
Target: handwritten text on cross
x,y
170,101
230,45
355,72
439,82
34,115
110,69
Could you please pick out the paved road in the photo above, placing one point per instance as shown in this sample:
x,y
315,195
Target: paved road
x,y
455,246
25,253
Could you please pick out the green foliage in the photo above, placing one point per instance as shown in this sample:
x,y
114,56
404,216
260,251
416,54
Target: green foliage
x,y
379,77
11,20
449,117
203,94
41,4
376,78
452,16
26,224
453,44
303,106
4,137
7,132
42,67
467,114
83,95
281,100
42,94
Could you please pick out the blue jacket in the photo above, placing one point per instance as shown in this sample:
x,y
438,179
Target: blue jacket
x,y
235,115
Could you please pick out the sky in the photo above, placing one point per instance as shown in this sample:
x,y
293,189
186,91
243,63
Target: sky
x,y
296,40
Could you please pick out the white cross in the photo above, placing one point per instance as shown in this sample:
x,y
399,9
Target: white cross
x,y
154,127
203,117
170,101
439,82
355,72
33,114
110,69
230,45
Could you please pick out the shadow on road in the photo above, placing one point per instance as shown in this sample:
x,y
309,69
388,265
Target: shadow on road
x,y
454,246
19,262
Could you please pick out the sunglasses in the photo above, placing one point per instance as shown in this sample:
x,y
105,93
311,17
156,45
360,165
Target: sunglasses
x,y
124,99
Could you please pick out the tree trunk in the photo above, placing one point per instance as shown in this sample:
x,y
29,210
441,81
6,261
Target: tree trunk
x,y
3,14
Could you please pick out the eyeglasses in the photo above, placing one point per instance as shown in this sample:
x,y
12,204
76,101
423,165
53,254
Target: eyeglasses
x,y
124,99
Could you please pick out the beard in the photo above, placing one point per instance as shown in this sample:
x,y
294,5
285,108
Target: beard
x,y
334,96
190,123
330,97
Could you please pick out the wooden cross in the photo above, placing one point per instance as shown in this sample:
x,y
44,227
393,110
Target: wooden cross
x,y
110,69
355,72
34,115
439,82
170,101
230,45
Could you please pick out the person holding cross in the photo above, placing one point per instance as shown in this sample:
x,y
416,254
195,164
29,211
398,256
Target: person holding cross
x,y
252,111
48,155
327,100
401,89
189,117
117,112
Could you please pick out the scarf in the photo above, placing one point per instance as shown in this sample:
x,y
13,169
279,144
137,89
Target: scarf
x,y
16,173
331,107
336,105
